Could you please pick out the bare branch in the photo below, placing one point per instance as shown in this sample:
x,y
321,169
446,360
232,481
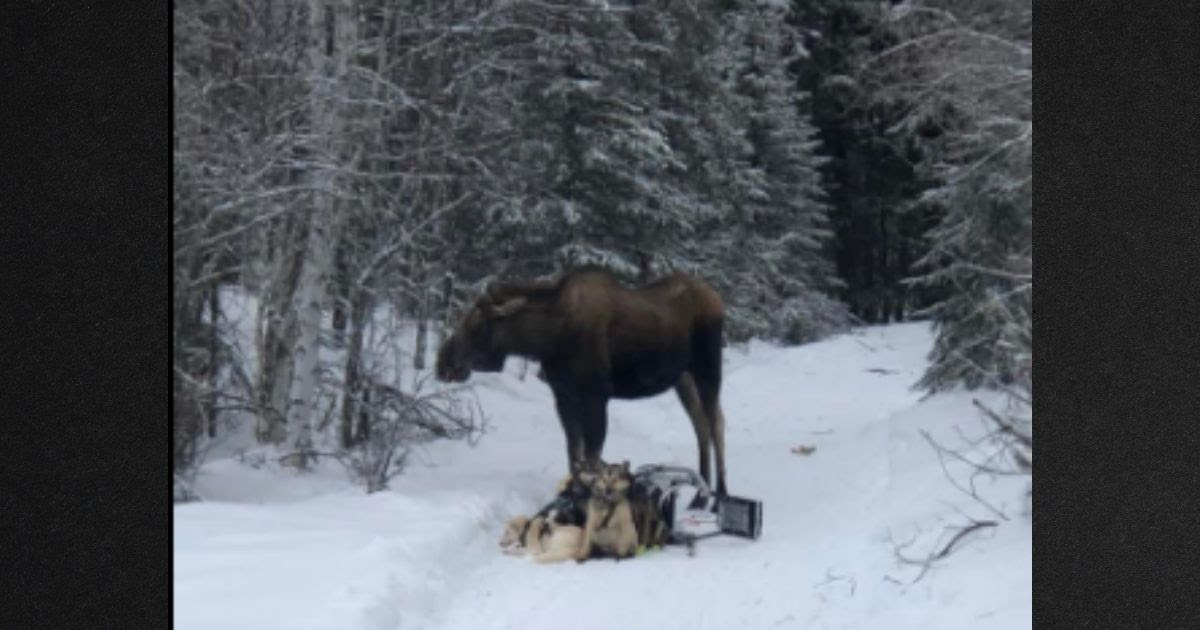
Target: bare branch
x,y
1006,426
941,553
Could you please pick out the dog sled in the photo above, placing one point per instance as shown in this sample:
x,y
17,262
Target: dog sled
x,y
706,515
690,510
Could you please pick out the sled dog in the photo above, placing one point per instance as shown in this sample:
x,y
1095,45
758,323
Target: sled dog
x,y
544,540
609,529
647,517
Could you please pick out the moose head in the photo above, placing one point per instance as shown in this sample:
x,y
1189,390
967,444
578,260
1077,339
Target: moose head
x,y
483,337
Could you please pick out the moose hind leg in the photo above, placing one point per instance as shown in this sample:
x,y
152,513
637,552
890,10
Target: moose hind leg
x,y
686,390
710,401
706,370
719,444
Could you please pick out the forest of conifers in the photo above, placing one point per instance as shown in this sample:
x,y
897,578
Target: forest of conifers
x,y
823,163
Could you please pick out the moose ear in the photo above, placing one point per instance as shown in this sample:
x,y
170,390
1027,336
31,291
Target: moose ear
x,y
508,307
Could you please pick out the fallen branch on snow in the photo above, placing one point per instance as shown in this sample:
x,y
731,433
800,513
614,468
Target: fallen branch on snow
x,y
928,561
943,452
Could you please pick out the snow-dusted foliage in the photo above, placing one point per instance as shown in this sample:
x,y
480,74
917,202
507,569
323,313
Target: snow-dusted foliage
x,y
397,421
965,74
768,247
870,177
660,136
319,148
604,171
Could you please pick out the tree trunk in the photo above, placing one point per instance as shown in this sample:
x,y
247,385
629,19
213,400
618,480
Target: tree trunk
x,y
885,268
447,298
422,317
275,333
422,333
214,311
397,343
364,417
327,63
353,390
443,316
341,294
308,306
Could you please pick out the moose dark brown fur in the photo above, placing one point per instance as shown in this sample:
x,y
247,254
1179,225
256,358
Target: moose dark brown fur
x,y
597,340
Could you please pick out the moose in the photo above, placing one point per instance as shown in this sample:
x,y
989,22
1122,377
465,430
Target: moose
x,y
596,340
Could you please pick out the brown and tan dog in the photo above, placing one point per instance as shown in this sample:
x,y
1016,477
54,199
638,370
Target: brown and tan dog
x,y
609,530
543,539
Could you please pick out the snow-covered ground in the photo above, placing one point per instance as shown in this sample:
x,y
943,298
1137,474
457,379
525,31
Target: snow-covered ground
x,y
269,548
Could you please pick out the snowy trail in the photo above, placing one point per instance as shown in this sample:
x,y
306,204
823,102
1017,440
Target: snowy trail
x,y
424,554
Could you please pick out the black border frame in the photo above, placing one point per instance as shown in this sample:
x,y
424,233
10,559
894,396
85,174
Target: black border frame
x,y
85,501
1117,219
84,168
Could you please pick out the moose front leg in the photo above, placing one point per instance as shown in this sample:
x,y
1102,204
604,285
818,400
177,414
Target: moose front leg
x,y
592,379
595,426
569,416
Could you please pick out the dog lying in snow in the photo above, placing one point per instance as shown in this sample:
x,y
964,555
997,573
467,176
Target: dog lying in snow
x,y
542,538
597,508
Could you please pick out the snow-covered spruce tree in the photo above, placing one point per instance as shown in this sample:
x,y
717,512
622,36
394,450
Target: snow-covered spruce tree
x,y
602,179
662,136
870,178
965,72
982,252
769,245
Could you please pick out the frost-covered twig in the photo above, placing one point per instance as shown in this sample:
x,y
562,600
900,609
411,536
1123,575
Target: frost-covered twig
x,y
398,420
943,453
830,577
927,562
1005,425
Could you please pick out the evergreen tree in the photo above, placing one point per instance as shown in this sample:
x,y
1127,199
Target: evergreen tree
x,y
602,175
871,179
965,73
771,241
